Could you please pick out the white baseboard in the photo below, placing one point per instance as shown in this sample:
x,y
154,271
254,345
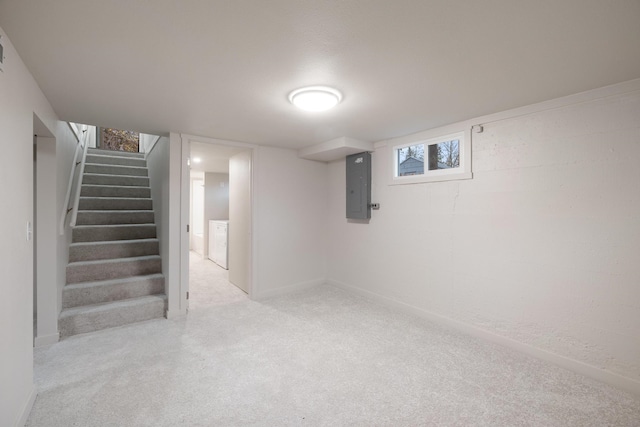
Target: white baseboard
x,y
257,296
174,314
26,409
607,377
44,340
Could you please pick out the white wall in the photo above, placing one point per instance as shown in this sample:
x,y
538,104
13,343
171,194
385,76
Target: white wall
x,y
20,98
65,149
240,190
216,199
146,142
539,250
197,224
158,165
292,214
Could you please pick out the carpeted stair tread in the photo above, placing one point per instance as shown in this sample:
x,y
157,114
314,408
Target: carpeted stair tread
x,y
108,159
103,152
100,291
89,318
115,169
113,260
115,268
114,217
108,232
112,179
115,203
115,191
110,249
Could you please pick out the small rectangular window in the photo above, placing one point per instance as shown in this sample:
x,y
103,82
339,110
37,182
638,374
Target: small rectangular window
x,y
436,159
411,160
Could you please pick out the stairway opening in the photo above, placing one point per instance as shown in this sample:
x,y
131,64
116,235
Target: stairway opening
x,y
114,276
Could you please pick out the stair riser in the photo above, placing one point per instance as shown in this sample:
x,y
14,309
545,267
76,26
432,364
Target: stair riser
x,y
95,321
115,170
112,250
138,181
98,191
98,204
75,297
114,217
109,233
112,270
116,160
101,152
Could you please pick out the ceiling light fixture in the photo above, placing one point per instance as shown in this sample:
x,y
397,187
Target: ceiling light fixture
x,y
315,98
197,160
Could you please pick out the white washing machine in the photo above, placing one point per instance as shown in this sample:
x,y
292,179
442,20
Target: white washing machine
x,y
219,242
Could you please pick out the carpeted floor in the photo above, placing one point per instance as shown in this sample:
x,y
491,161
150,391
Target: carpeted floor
x,y
209,284
320,357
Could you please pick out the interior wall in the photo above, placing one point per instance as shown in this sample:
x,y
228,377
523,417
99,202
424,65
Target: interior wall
x,y
291,221
196,221
239,262
65,149
539,248
46,234
216,196
158,165
175,232
20,99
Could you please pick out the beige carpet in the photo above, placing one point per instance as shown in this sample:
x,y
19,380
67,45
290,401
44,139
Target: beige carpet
x,y
209,284
320,357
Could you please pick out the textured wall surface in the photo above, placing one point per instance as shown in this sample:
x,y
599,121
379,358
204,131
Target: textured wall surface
x,y
539,247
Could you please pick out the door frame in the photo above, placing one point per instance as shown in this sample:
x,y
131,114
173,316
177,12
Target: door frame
x,y
186,139
45,236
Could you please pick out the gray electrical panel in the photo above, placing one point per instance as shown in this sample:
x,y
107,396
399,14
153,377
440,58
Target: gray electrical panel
x,y
359,186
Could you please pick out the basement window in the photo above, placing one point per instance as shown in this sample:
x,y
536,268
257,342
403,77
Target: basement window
x,y
436,159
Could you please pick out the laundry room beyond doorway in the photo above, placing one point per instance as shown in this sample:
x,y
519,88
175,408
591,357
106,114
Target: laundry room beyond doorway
x,y
212,259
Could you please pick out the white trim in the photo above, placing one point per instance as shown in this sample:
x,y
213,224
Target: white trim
x,y
185,220
253,286
289,289
594,372
26,409
174,314
461,172
45,340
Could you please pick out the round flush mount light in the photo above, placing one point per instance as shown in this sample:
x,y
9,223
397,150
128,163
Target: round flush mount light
x,y
315,98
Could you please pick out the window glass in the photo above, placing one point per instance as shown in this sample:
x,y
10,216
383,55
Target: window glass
x,y
435,159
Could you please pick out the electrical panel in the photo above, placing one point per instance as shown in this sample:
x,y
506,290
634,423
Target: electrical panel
x,y
359,186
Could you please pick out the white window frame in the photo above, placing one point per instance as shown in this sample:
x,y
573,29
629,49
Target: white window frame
x,y
461,172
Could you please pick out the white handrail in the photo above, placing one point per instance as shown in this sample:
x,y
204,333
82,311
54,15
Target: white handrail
x,y
65,207
76,199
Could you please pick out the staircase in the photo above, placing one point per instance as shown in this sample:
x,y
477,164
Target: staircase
x,y
114,272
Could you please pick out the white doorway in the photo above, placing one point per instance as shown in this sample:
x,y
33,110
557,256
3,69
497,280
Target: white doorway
x,y
220,192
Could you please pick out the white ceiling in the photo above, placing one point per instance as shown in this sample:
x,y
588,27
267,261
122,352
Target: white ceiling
x,y
213,158
223,69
